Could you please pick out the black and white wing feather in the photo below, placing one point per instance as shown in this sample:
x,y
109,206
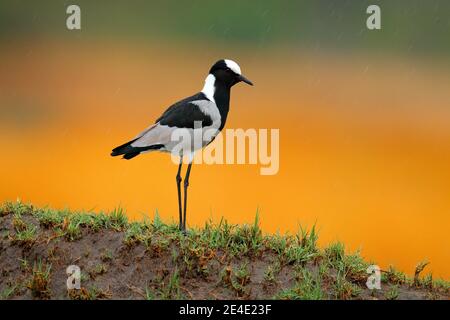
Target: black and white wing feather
x,y
181,115
184,113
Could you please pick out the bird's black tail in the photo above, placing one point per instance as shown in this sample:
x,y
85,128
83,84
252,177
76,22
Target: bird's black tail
x,y
129,152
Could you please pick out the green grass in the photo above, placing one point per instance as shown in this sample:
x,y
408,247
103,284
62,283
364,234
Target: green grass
x,y
8,292
242,274
235,279
170,288
392,293
67,224
107,256
25,233
441,284
308,286
117,219
149,295
137,233
40,280
91,293
295,249
344,289
394,276
316,273
272,271
50,218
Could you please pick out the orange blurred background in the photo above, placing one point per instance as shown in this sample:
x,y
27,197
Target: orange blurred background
x,y
364,140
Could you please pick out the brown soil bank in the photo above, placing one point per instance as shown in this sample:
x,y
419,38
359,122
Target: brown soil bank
x,y
152,260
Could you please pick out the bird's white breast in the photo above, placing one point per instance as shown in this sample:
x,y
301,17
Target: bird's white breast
x,y
210,87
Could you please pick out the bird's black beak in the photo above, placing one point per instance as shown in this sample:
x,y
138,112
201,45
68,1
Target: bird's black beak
x,y
244,79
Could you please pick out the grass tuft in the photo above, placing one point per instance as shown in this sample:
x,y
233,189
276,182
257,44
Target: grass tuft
x,y
40,280
25,233
307,287
392,293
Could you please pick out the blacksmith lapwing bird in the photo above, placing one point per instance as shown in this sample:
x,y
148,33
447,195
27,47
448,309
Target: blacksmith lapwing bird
x,y
209,107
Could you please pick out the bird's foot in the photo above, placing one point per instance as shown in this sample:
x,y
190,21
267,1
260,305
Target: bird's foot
x,y
183,231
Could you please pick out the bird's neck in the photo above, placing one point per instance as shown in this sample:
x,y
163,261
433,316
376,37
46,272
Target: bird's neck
x,y
219,93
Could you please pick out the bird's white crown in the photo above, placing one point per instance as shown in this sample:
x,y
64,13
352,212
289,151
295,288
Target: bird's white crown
x,y
233,66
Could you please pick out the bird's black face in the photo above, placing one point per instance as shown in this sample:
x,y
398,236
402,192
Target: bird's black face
x,y
226,75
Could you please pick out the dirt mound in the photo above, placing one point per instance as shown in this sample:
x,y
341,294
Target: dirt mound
x,y
152,260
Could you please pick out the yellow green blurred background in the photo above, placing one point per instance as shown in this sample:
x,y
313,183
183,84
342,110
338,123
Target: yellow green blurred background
x,y
364,116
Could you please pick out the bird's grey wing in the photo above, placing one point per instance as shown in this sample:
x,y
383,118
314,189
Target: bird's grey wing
x,y
156,134
181,115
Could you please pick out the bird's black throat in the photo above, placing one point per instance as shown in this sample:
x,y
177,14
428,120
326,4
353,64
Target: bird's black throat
x,y
222,98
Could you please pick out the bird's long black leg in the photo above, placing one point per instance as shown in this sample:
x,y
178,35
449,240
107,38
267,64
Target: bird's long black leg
x,y
186,184
179,192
